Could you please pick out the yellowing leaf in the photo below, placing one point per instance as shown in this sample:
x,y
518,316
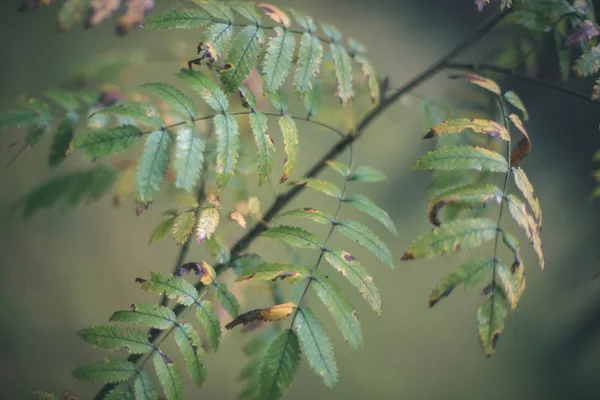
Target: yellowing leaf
x,y
290,140
274,272
275,13
524,185
183,226
457,125
490,320
207,224
268,314
479,80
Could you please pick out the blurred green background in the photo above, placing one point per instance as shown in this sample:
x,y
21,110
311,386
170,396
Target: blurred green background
x,y
61,271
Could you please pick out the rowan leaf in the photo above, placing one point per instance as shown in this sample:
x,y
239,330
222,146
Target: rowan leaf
x,y
306,22
525,220
206,88
322,186
458,125
341,310
293,235
462,157
275,13
247,10
183,226
524,185
490,320
153,166
316,345
268,314
290,142
313,100
479,80
357,275
204,271
228,144
366,238
516,102
136,112
227,299
343,72
469,274
371,77
173,97
18,119
512,284
310,57
274,272
64,98
278,59
207,316
189,158
217,38
279,365
207,224
172,286
162,230
470,196
168,375
589,62
216,9
123,391
62,139
242,57
339,167
365,205
586,30
218,249
462,234
523,147
112,337
143,387
105,142
105,371
148,314
177,19
190,345
309,213
364,173
264,145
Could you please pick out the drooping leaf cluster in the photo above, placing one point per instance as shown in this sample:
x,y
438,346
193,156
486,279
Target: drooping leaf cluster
x,y
504,282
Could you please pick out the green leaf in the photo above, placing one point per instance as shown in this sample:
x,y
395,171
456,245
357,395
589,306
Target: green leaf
x,y
468,196
316,345
309,213
365,205
123,391
135,111
279,366
339,167
332,32
366,174
190,345
564,55
357,275
343,313
274,272
74,188
70,13
366,238
589,62
105,371
144,387
290,142
183,226
227,147
148,314
516,102
177,19
525,220
462,234
304,20
293,235
39,106
462,157
469,274
217,38
207,316
169,376
310,56
343,72
242,57
173,97
65,99
371,77
227,299
162,230
153,166
206,88
173,287
106,142
313,100
216,9
218,249
112,337
189,158
526,188
322,186
247,10
278,59
62,139
458,125
18,119
490,320
264,145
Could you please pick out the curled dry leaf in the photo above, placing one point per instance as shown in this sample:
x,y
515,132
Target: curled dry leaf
x,y
101,10
479,80
134,14
239,218
523,147
207,224
268,314
275,13
206,273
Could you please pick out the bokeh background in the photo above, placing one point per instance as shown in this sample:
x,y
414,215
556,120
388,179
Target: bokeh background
x,y
61,271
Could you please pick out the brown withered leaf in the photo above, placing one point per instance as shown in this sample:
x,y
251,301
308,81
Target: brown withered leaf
x,y
275,13
134,14
523,147
584,31
268,314
213,198
239,218
457,125
100,10
27,5
204,270
479,80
